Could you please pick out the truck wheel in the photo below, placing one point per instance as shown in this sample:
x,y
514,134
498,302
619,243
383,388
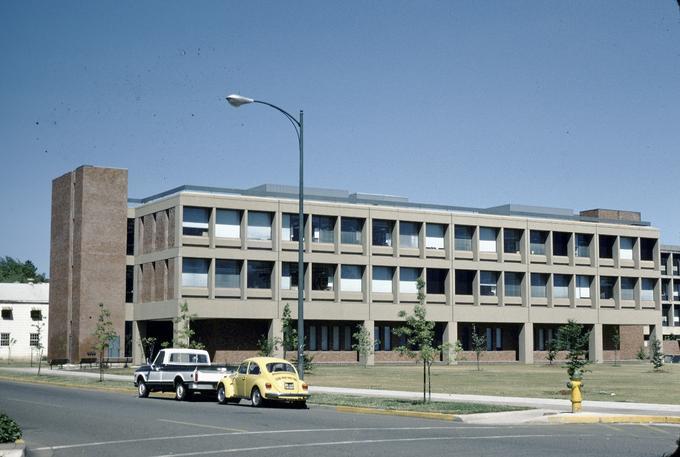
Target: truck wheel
x,y
142,389
256,397
221,395
181,392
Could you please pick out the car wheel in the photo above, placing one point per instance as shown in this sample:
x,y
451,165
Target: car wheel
x,y
256,397
181,392
221,395
142,389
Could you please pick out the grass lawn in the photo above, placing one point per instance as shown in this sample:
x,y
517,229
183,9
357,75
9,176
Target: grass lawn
x,y
634,382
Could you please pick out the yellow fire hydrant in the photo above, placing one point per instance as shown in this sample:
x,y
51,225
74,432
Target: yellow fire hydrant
x,y
575,384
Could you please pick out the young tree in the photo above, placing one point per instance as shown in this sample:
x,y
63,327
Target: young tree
x,y
616,341
148,345
457,351
289,340
14,270
418,332
573,338
656,356
184,334
12,342
39,327
478,344
552,351
104,333
266,346
363,343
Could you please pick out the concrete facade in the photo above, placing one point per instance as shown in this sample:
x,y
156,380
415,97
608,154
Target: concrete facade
x,y
670,290
24,308
87,258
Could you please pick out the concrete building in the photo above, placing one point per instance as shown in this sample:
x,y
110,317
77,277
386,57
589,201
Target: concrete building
x,y
516,272
670,298
23,308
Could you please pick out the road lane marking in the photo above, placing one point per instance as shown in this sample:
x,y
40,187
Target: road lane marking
x,y
203,425
40,403
611,427
656,429
263,432
356,442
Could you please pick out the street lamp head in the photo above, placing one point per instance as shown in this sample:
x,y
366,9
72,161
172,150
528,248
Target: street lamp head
x,y
238,100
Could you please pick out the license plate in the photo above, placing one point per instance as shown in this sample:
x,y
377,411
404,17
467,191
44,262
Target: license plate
x,y
289,386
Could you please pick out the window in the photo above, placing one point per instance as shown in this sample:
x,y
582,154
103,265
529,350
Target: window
x,y
628,288
243,368
463,237
512,239
186,358
289,275
561,286
647,289
4,339
36,315
195,221
607,246
228,273
228,223
537,239
487,283
350,278
382,232
408,234
538,285
665,284
583,286
195,272
664,263
487,239
408,278
254,368
7,314
582,246
351,229
290,227
260,274
434,236
323,276
607,287
160,358
323,229
436,281
130,242
129,283
626,248
513,284
382,279
560,243
259,226
34,340
676,290
464,282
280,367
647,246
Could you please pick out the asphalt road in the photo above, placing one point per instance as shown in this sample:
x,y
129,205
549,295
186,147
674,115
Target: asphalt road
x,y
73,422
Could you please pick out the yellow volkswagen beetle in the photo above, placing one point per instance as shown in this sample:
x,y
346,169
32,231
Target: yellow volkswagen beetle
x,y
263,378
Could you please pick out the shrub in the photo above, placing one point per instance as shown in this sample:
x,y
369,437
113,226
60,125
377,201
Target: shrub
x,y
9,429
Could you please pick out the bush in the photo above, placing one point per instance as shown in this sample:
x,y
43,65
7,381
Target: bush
x,y
9,429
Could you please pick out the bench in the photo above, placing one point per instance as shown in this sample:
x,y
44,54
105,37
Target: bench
x,y
87,361
124,360
58,362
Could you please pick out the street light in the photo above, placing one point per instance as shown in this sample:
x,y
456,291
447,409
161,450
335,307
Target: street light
x,y
236,101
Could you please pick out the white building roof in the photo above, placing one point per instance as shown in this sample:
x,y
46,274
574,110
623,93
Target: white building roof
x,y
24,293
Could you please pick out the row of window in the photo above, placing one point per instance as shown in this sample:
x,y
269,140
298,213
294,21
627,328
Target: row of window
x,y
259,227
8,314
670,315
33,338
670,289
670,263
259,276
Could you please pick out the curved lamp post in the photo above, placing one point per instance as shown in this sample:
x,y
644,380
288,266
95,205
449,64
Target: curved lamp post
x,y
236,101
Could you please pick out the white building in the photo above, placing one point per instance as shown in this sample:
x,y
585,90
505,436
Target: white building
x,y
23,307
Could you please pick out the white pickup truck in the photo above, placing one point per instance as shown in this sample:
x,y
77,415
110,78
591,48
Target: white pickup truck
x,y
183,371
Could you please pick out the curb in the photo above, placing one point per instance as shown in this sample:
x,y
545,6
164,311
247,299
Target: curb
x,y
622,419
398,412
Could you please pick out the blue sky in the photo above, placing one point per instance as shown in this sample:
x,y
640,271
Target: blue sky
x,y
569,104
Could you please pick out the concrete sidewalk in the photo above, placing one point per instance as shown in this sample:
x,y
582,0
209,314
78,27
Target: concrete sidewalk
x,y
544,410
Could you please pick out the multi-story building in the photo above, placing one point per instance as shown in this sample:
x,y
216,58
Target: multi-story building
x,y
23,323
514,272
670,289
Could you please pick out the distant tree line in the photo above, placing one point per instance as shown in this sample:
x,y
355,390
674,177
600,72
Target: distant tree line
x,y
14,270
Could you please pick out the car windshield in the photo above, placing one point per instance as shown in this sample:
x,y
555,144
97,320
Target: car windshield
x,y
278,367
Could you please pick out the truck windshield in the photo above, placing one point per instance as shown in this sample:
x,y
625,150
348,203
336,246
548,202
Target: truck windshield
x,y
279,367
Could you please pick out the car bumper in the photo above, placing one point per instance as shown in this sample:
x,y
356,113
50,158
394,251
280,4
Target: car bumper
x,y
286,396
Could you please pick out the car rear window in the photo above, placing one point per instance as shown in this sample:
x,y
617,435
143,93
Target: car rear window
x,y
278,367
184,357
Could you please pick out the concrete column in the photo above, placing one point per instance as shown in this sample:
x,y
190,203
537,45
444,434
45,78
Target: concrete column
x,y
526,343
595,352
450,336
276,333
656,332
138,332
370,358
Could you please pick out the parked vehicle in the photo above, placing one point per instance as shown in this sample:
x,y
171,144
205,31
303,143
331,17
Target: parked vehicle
x,y
183,371
263,378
